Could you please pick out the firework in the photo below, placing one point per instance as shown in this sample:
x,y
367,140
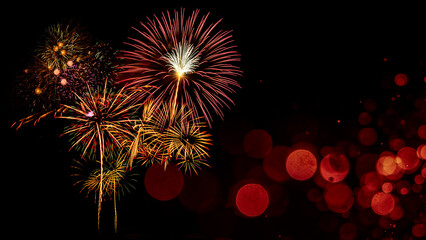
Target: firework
x,y
61,44
148,146
100,120
189,144
164,136
117,178
97,65
34,89
42,92
186,61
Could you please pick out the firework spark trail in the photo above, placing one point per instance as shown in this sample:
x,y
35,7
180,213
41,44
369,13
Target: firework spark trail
x,y
115,178
100,119
182,60
185,61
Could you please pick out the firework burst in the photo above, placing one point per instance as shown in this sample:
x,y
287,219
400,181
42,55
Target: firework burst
x,y
42,92
164,136
186,61
100,121
60,45
189,144
117,178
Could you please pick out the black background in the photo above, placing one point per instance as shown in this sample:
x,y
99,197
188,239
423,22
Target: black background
x,y
319,60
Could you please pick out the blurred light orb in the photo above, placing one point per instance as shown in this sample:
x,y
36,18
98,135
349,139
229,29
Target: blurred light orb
x,y
334,167
163,184
252,200
407,158
382,203
257,143
387,166
419,230
401,79
397,213
421,131
387,187
418,179
396,143
274,163
403,187
339,197
367,136
370,105
421,151
364,118
301,164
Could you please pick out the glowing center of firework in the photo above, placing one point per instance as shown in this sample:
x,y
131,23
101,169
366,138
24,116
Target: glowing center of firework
x,y
183,58
90,114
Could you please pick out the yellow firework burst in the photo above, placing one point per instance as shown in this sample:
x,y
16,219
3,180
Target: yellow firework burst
x,y
164,135
61,45
188,143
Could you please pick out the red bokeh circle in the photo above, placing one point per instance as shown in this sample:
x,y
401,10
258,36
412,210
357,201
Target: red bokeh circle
x,y
334,167
367,136
274,163
401,79
407,158
301,164
257,143
252,199
382,203
339,197
163,184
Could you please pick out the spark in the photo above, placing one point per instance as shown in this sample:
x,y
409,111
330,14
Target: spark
x,y
182,59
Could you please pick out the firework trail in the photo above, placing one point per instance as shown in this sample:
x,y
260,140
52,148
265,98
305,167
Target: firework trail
x,y
117,178
100,120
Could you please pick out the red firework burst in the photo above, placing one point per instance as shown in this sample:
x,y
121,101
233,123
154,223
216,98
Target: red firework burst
x,y
183,60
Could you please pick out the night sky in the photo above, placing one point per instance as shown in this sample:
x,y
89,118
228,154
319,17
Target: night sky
x,y
308,71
